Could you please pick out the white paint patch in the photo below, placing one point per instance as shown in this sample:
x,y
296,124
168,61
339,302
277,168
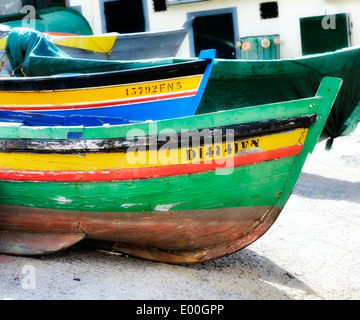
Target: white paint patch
x,y
128,205
165,207
62,200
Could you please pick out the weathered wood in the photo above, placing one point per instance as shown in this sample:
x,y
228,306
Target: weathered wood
x,y
25,243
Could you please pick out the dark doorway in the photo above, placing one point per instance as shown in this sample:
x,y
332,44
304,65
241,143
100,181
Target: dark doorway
x,y
325,33
215,32
124,16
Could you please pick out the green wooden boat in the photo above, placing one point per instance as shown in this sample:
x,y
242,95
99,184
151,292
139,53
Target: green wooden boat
x,y
181,190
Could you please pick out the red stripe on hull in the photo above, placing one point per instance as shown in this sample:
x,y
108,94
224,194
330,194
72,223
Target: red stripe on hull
x,y
147,172
105,104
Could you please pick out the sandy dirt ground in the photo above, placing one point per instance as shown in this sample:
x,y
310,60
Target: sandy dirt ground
x,y
312,252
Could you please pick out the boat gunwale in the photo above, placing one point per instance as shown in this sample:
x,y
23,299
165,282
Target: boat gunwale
x,y
121,144
149,73
195,122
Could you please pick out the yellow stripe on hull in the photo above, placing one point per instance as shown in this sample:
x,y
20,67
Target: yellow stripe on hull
x,y
137,158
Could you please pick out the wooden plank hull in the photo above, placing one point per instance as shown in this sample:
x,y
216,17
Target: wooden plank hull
x,y
190,235
182,191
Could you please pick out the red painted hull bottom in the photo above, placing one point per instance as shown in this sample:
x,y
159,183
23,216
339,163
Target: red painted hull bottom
x,y
181,237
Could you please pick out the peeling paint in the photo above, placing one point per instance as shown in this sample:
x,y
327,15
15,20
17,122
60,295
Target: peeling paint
x,y
62,200
128,205
165,207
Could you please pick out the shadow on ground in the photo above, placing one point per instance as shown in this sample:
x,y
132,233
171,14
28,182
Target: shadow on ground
x,y
242,275
317,187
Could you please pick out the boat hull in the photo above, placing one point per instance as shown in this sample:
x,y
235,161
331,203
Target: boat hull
x,y
188,213
180,237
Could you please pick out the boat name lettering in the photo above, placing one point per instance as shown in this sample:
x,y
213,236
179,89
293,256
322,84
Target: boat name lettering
x,y
220,150
163,87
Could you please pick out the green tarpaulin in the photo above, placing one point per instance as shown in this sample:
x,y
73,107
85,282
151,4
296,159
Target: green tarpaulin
x,y
31,54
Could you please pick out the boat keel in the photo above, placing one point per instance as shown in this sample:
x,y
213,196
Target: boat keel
x,y
200,255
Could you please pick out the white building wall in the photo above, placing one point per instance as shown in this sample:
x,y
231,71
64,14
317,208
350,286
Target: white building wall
x,y
90,9
249,21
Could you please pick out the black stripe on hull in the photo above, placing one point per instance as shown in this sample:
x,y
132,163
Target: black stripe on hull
x,y
241,131
104,79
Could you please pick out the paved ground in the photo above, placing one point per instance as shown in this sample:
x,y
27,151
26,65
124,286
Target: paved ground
x,y
311,252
